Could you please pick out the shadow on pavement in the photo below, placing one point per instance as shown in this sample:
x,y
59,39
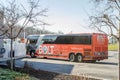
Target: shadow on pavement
x,y
107,63
53,67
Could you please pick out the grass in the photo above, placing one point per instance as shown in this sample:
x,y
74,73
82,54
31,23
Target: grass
x,y
6,74
113,47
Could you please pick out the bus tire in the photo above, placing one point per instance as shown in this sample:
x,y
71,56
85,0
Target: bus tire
x,y
32,54
72,57
79,58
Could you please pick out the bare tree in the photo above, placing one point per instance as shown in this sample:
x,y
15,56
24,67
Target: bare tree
x,y
18,14
107,19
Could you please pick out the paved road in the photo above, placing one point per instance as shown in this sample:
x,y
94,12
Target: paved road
x,y
106,69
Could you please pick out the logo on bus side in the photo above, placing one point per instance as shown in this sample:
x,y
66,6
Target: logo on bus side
x,y
40,50
46,49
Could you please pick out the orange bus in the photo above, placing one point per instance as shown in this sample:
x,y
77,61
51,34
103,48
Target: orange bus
x,y
74,47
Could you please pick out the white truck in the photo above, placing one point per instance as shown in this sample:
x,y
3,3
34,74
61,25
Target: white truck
x,y
19,49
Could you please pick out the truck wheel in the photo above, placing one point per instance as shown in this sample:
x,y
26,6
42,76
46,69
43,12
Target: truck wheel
x,y
13,53
72,57
32,54
79,58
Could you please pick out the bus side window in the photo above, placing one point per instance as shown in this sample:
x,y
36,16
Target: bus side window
x,y
59,40
48,41
64,40
82,40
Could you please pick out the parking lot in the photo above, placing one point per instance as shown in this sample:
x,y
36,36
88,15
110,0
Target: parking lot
x,y
106,69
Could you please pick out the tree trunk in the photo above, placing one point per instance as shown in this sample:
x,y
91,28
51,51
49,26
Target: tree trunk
x,y
12,62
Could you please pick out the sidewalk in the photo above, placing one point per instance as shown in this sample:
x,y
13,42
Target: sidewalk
x,y
113,54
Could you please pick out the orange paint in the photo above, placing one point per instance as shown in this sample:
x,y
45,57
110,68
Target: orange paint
x,y
92,46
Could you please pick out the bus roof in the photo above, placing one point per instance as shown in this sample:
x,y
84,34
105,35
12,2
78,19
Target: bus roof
x,y
70,34
33,36
73,34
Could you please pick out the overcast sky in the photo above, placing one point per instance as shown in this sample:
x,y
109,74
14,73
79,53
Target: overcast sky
x,y
68,15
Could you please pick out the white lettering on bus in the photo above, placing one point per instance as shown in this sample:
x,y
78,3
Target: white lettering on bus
x,y
40,50
46,49
51,49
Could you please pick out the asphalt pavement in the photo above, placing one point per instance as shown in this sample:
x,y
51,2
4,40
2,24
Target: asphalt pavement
x,y
106,69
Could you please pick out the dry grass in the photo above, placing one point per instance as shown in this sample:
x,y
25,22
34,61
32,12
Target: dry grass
x,y
113,47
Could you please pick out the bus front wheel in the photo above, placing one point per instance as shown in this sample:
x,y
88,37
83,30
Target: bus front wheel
x,y
72,57
79,58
